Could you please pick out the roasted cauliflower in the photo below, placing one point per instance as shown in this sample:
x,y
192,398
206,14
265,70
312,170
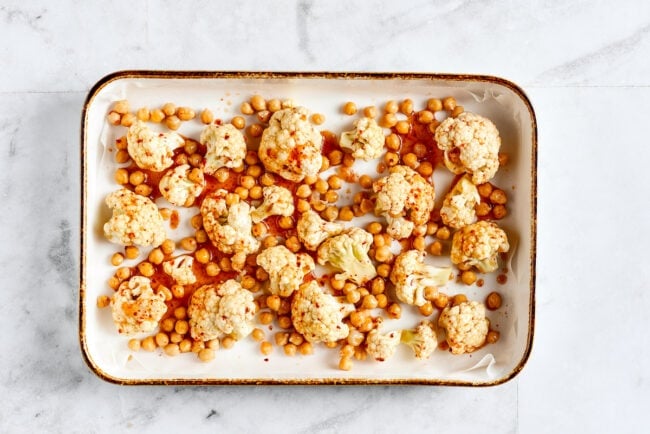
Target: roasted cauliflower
x,y
422,340
366,141
221,309
348,252
277,201
403,196
180,269
382,346
151,150
286,269
226,147
471,145
319,316
313,230
465,325
136,307
181,185
411,276
478,245
229,227
135,220
458,207
291,146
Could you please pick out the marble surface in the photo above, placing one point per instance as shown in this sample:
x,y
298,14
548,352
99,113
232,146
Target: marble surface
x,y
585,66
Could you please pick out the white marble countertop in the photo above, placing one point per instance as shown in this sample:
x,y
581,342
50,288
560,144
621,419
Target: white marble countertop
x,y
586,68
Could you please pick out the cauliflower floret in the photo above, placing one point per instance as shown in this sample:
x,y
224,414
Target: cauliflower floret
x,y
381,347
477,245
180,269
286,270
423,340
366,141
135,220
221,309
136,307
403,193
151,150
471,144
348,252
291,146
181,185
411,276
277,201
319,316
229,228
226,147
458,207
313,230
465,325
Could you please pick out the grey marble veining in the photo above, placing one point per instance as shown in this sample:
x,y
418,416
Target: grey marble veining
x,y
585,66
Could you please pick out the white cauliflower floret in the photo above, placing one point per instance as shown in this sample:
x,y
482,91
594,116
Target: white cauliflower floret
x,y
151,150
226,147
136,307
181,185
230,228
471,145
221,309
458,207
313,230
291,146
286,269
402,196
465,325
319,316
135,220
180,269
478,245
411,276
366,141
382,346
348,252
277,201
423,340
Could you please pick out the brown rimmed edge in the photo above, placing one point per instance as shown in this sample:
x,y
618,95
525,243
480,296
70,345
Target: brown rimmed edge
x,y
148,74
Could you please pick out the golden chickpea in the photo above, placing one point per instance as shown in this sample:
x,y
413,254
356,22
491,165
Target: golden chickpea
x,y
121,176
258,103
157,116
410,159
246,109
391,159
185,345
103,301
189,244
383,270
441,300
426,309
391,106
388,120
493,301
403,127
449,103
156,256
161,339
370,111
468,277
255,192
443,233
122,106
383,254
457,111
113,118
346,214
330,213
434,104
285,322
180,312
206,116
324,164
498,196
185,113
458,299
348,160
178,291
492,337
419,243
394,311
143,190
265,318
146,269
293,244
393,142
350,108
353,297
331,196
369,302
425,169
172,122
499,212
345,364
374,228
122,156
274,105
255,130
286,222
484,190
117,259
212,269
206,354
482,209
134,345
131,252
247,181
425,117
227,342
168,246
148,343
214,344
264,116
435,248
318,118
202,255
123,273
270,241
334,182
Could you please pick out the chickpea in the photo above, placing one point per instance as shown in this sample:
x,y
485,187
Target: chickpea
x,y
482,209
255,130
148,343
172,122
267,179
391,159
457,111
468,277
388,120
270,241
292,243
121,176
484,190
458,299
146,269
161,339
103,301
383,270
123,273
503,159
284,322
370,111
212,269
383,254
202,255
185,113
303,191
156,256
318,118
434,104
435,248
122,106
206,116
346,214
345,364
189,244
426,309
391,106
185,345
113,118
492,337
403,127
334,182
143,190
168,246
425,117
369,302
157,116
443,233
499,212
498,196
131,252
419,244
330,213
206,354
258,103
449,103
134,345
350,108
117,259
122,156
411,160
394,311
425,169
335,157
393,142
441,300
263,116
493,301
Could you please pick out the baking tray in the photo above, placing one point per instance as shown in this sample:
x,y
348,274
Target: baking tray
x,y
502,101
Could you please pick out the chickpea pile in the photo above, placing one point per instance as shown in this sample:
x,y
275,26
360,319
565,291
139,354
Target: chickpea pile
x,y
409,143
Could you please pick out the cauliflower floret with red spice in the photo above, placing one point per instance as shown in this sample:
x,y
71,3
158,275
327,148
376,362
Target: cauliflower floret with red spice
x,y
152,150
348,252
366,141
458,207
411,276
318,316
478,245
216,310
465,325
136,308
291,146
225,145
403,196
277,201
180,269
471,145
313,230
382,346
286,269
422,340
135,220
181,185
229,228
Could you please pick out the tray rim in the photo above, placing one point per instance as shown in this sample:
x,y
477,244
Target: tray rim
x,y
259,75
